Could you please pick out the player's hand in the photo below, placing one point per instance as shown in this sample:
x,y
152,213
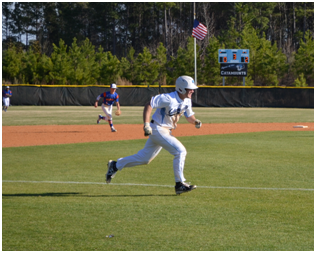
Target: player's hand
x,y
147,129
96,104
198,123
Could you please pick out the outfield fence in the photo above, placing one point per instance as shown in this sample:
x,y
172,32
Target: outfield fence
x,y
206,96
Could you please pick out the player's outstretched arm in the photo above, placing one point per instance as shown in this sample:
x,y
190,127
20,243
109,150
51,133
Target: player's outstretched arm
x,y
97,101
194,121
146,118
147,112
118,112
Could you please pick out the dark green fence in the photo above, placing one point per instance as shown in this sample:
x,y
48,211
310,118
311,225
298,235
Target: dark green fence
x,y
138,96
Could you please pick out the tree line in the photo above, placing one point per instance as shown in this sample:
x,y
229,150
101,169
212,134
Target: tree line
x,y
151,43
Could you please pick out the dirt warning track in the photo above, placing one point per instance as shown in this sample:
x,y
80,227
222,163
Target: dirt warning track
x,y
16,136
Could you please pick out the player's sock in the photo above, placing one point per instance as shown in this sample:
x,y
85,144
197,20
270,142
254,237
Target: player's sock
x,y
110,123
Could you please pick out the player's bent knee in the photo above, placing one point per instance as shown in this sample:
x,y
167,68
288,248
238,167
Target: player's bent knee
x,y
181,152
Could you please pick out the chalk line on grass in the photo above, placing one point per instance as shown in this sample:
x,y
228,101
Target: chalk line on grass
x,y
155,185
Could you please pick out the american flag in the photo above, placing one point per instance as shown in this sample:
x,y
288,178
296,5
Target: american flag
x,y
199,30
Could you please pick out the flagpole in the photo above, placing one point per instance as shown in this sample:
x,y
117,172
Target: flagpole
x,y
195,71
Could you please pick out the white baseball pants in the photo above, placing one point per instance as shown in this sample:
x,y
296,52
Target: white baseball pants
x,y
108,111
6,101
160,138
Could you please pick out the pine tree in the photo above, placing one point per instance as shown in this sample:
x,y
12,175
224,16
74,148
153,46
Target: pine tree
x,y
300,81
30,63
147,69
304,59
12,65
183,63
161,58
267,64
84,69
109,67
211,69
61,64
128,66
44,68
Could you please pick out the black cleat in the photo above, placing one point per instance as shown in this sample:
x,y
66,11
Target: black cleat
x,y
111,171
99,118
184,187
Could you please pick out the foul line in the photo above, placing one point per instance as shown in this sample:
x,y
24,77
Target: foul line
x,y
155,185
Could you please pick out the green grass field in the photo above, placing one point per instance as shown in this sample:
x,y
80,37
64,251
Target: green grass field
x,y
87,115
255,190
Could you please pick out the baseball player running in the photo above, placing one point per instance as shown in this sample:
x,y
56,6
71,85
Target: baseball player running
x,y
109,98
6,94
169,108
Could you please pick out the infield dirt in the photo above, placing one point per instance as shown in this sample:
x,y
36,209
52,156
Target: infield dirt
x,y
16,136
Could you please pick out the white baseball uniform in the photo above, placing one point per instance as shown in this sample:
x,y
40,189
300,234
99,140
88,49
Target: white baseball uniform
x,y
107,109
6,101
169,109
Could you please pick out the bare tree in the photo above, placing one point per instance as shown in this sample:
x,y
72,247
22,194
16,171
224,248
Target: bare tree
x,y
207,17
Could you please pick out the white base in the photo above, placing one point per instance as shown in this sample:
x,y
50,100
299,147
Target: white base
x,y
299,126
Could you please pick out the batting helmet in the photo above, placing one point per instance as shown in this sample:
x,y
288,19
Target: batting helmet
x,y
185,82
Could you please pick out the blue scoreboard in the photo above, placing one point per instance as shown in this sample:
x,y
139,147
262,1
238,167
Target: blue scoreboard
x,y
233,56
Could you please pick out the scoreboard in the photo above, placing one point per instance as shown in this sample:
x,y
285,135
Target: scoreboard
x,y
233,56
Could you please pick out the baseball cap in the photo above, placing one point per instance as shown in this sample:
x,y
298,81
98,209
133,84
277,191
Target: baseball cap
x,y
113,85
8,87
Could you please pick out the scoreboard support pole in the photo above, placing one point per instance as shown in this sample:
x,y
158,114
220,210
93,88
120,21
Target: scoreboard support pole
x,y
243,81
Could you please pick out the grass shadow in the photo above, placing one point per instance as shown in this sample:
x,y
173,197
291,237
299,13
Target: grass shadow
x,y
79,194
